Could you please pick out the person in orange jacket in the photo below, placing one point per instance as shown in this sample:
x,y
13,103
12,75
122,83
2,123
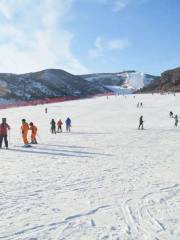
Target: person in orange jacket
x,y
33,129
24,130
59,124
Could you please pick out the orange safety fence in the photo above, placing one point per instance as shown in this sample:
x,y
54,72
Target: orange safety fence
x,y
49,100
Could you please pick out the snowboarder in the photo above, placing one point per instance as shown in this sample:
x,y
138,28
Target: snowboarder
x,y
53,126
24,131
4,127
171,114
59,124
176,120
141,123
33,129
68,124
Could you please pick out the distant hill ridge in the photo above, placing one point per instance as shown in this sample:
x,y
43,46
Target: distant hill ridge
x,y
45,84
52,83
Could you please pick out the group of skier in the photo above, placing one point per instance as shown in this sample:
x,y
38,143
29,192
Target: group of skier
x,y
140,105
59,125
25,127
171,115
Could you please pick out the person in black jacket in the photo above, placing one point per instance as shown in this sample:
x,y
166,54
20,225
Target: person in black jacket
x,y
141,123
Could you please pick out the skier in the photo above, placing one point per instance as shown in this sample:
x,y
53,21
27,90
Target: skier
x,y
141,104
68,124
24,131
171,114
53,126
59,124
33,129
176,120
141,123
4,127
138,105
46,110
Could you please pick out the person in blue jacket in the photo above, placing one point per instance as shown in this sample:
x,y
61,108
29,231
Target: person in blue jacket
x,y
68,124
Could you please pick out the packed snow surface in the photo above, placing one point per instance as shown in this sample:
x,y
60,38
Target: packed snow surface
x,y
104,180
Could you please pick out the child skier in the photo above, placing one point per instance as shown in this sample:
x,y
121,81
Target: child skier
x,y
24,131
53,126
33,129
59,124
4,127
141,123
68,124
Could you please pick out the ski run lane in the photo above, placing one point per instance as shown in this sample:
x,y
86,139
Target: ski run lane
x,y
104,180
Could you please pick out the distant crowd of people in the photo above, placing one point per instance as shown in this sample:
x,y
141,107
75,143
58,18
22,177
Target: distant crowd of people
x,y
59,124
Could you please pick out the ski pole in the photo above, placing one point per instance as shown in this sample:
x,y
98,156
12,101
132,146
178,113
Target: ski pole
x,y
39,137
9,138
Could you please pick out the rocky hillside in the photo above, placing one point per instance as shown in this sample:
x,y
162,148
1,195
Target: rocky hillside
x,y
45,84
169,81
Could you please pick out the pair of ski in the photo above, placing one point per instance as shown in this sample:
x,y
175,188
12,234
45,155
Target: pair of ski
x,y
27,145
24,146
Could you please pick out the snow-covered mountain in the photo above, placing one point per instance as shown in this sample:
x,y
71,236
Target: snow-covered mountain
x,y
49,83
122,82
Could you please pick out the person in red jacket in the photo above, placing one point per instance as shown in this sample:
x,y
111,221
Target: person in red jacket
x,y
4,127
59,124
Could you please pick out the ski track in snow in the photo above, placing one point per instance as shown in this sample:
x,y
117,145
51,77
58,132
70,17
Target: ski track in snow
x,y
104,180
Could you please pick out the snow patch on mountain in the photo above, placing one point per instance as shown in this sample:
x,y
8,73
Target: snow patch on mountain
x,y
122,82
137,80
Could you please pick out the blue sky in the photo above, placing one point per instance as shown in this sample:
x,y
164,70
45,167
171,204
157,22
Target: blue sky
x,y
87,36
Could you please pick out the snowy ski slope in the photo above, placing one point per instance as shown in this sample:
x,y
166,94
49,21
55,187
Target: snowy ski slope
x,y
104,180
